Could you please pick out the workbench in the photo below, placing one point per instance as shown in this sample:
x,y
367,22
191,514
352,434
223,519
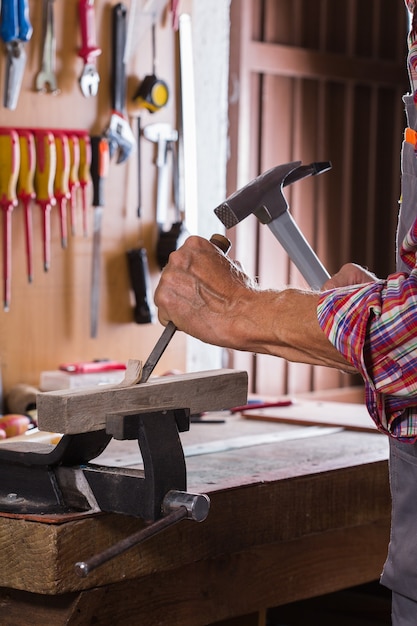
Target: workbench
x,y
296,512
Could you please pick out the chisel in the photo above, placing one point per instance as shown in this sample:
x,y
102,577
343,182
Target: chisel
x,y
224,244
100,158
9,169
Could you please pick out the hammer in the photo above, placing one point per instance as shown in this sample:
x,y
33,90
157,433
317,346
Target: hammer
x,y
264,198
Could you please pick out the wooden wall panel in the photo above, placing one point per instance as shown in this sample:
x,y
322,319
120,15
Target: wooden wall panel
x,y
48,322
331,75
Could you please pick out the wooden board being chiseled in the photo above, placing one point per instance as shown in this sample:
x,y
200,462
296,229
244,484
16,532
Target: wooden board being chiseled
x,y
348,415
85,410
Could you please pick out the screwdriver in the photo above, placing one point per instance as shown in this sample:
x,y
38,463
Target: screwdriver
x,y
9,169
84,175
61,182
44,186
74,183
26,190
100,160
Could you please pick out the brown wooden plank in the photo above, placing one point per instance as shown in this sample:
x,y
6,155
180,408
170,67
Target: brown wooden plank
x,y
85,410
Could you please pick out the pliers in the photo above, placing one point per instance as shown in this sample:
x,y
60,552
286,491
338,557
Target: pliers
x,y
15,30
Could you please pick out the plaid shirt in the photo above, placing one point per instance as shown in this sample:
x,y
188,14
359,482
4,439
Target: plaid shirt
x,y
374,326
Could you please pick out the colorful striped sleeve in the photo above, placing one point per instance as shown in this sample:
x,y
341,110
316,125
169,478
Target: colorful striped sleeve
x,y
374,326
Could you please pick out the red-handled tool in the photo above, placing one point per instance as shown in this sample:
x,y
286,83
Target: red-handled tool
x,y
26,190
9,170
92,367
44,186
89,51
61,183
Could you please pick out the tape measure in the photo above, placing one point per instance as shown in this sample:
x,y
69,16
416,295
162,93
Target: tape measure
x,y
153,93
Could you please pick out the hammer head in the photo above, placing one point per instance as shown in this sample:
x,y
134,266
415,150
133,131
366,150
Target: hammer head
x,y
264,196
120,137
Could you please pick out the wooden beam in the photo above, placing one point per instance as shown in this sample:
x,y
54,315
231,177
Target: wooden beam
x,y
85,410
280,60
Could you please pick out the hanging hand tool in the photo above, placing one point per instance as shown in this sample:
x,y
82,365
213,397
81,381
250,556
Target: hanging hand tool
x,y
74,182
137,259
61,182
89,79
9,170
99,171
15,30
164,136
26,190
44,186
221,242
84,175
120,136
153,93
46,78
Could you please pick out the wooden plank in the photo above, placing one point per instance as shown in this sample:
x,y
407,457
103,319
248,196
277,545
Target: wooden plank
x,y
85,410
318,413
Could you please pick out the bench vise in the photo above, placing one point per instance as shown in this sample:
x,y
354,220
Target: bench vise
x,y
59,483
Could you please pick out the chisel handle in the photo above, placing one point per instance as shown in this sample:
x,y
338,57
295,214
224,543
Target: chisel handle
x,y
224,244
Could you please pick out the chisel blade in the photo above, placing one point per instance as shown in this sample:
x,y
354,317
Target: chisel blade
x,y
157,351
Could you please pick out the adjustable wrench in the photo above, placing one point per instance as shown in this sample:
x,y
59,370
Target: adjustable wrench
x,y
46,79
119,134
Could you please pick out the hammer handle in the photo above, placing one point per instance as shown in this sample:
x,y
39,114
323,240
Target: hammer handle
x,y
299,250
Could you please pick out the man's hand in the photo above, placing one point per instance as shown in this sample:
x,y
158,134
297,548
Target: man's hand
x,y
349,274
208,296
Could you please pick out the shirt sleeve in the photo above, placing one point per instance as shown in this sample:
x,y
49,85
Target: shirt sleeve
x,y
374,326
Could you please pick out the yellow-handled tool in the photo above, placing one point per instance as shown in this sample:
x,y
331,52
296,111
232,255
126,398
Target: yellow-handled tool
x,y
44,186
9,169
26,190
84,175
74,182
61,181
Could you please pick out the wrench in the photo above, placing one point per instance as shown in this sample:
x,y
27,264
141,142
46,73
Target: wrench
x,y
119,134
46,79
